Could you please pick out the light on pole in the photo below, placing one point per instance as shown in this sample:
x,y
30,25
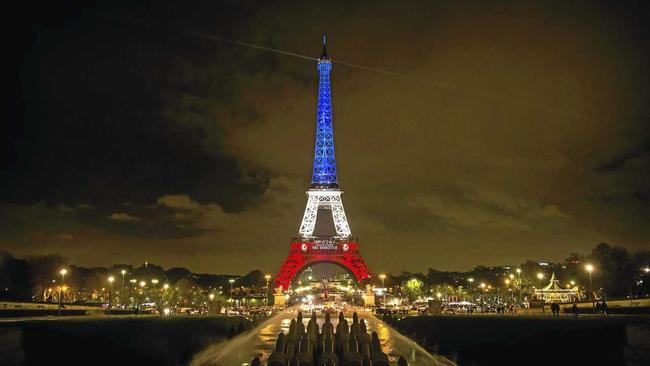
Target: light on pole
x,y
63,271
540,277
142,285
267,277
383,277
590,268
110,292
232,280
470,280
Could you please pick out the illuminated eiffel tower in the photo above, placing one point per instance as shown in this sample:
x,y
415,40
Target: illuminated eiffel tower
x,y
325,234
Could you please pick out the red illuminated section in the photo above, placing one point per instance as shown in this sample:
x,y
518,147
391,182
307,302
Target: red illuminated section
x,y
304,254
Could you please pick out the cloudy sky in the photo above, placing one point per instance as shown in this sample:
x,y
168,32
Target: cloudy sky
x,y
522,131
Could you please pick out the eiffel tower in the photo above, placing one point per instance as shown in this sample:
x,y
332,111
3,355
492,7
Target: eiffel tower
x,y
324,233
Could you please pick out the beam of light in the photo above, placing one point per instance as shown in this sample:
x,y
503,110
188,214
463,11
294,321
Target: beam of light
x,y
439,84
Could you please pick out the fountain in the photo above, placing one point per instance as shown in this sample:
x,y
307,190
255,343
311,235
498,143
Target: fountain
x,y
350,345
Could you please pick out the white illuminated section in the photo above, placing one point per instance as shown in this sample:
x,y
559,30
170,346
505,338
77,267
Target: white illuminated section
x,y
328,198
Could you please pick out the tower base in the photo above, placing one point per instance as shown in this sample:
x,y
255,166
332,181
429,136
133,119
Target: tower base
x,y
307,252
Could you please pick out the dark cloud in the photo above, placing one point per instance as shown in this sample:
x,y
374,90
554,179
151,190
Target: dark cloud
x,y
136,139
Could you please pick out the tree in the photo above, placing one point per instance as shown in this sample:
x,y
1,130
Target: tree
x,y
254,278
15,280
413,288
613,269
176,274
44,269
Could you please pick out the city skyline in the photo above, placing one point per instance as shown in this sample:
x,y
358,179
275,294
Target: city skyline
x,y
523,132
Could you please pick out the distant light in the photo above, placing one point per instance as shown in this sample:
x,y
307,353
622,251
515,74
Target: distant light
x,y
518,270
123,271
589,267
166,311
540,275
63,272
111,279
142,283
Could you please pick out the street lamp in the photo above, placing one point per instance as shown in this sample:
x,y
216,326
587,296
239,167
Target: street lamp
x,y
590,268
63,271
142,285
267,277
470,280
232,280
110,292
383,277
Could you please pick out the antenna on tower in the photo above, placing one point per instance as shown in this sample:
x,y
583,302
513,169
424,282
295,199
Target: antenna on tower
x,y
324,55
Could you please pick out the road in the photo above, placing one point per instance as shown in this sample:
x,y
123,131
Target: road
x,y
260,342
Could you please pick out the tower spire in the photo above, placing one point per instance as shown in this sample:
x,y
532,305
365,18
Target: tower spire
x,y
324,172
324,56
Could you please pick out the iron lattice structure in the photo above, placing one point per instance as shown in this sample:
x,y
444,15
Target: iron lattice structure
x,y
324,173
323,198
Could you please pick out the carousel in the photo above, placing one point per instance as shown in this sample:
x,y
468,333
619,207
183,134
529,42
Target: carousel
x,y
553,292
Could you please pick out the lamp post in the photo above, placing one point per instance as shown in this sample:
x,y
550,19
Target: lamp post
x,y
383,277
590,268
540,277
470,280
62,272
267,277
110,292
123,272
142,285
507,281
232,280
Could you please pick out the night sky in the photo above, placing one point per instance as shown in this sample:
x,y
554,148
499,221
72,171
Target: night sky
x,y
522,131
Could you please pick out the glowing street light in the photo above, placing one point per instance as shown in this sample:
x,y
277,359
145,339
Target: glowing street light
x,y
540,277
232,280
166,286
590,268
110,293
267,277
63,272
646,269
382,277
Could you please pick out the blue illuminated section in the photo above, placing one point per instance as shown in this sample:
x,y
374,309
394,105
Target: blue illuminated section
x,y
324,173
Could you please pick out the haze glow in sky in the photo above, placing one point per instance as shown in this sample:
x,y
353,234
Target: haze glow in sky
x,y
128,142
